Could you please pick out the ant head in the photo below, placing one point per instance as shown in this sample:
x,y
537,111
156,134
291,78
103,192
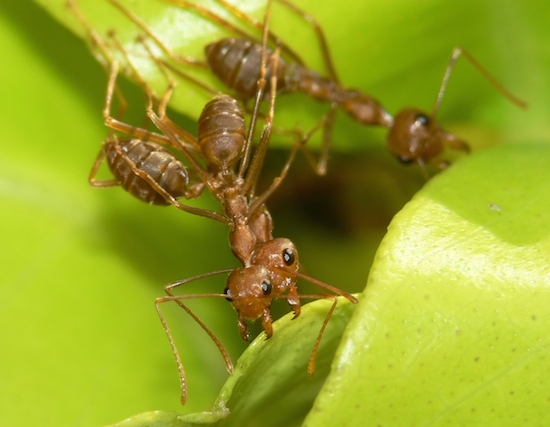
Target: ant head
x,y
280,257
279,252
415,136
247,289
222,148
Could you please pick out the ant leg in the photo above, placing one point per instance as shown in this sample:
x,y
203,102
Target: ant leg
x,y
210,90
325,51
175,141
186,141
189,142
313,357
208,14
110,121
98,45
181,371
106,60
243,328
100,183
452,142
141,24
259,154
187,137
319,165
184,4
112,67
116,124
267,323
328,127
457,52
221,348
167,196
149,94
303,138
163,65
260,200
239,14
293,300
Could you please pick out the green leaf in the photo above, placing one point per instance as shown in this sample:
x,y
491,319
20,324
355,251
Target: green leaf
x,y
451,329
81,342
271,374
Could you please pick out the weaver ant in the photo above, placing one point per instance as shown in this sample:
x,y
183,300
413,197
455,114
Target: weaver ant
x,y
225,162
413,135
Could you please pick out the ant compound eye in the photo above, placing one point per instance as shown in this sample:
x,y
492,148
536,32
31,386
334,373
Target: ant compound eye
x,y
266,287
422,120
227,292
288,257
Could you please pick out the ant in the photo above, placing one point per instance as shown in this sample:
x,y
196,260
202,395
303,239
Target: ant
x,y
224,161
141,164
413,135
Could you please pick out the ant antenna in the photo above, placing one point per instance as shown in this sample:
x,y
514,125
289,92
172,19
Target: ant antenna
x,y
457,52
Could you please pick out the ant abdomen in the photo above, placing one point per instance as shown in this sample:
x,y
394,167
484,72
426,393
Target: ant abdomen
x,y
237,63
151,159
222,132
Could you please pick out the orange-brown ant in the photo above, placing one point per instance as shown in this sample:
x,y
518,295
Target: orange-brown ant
x,y
225,162
413,135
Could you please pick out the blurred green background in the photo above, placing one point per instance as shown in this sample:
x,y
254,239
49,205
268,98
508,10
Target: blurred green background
x,y
81,341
